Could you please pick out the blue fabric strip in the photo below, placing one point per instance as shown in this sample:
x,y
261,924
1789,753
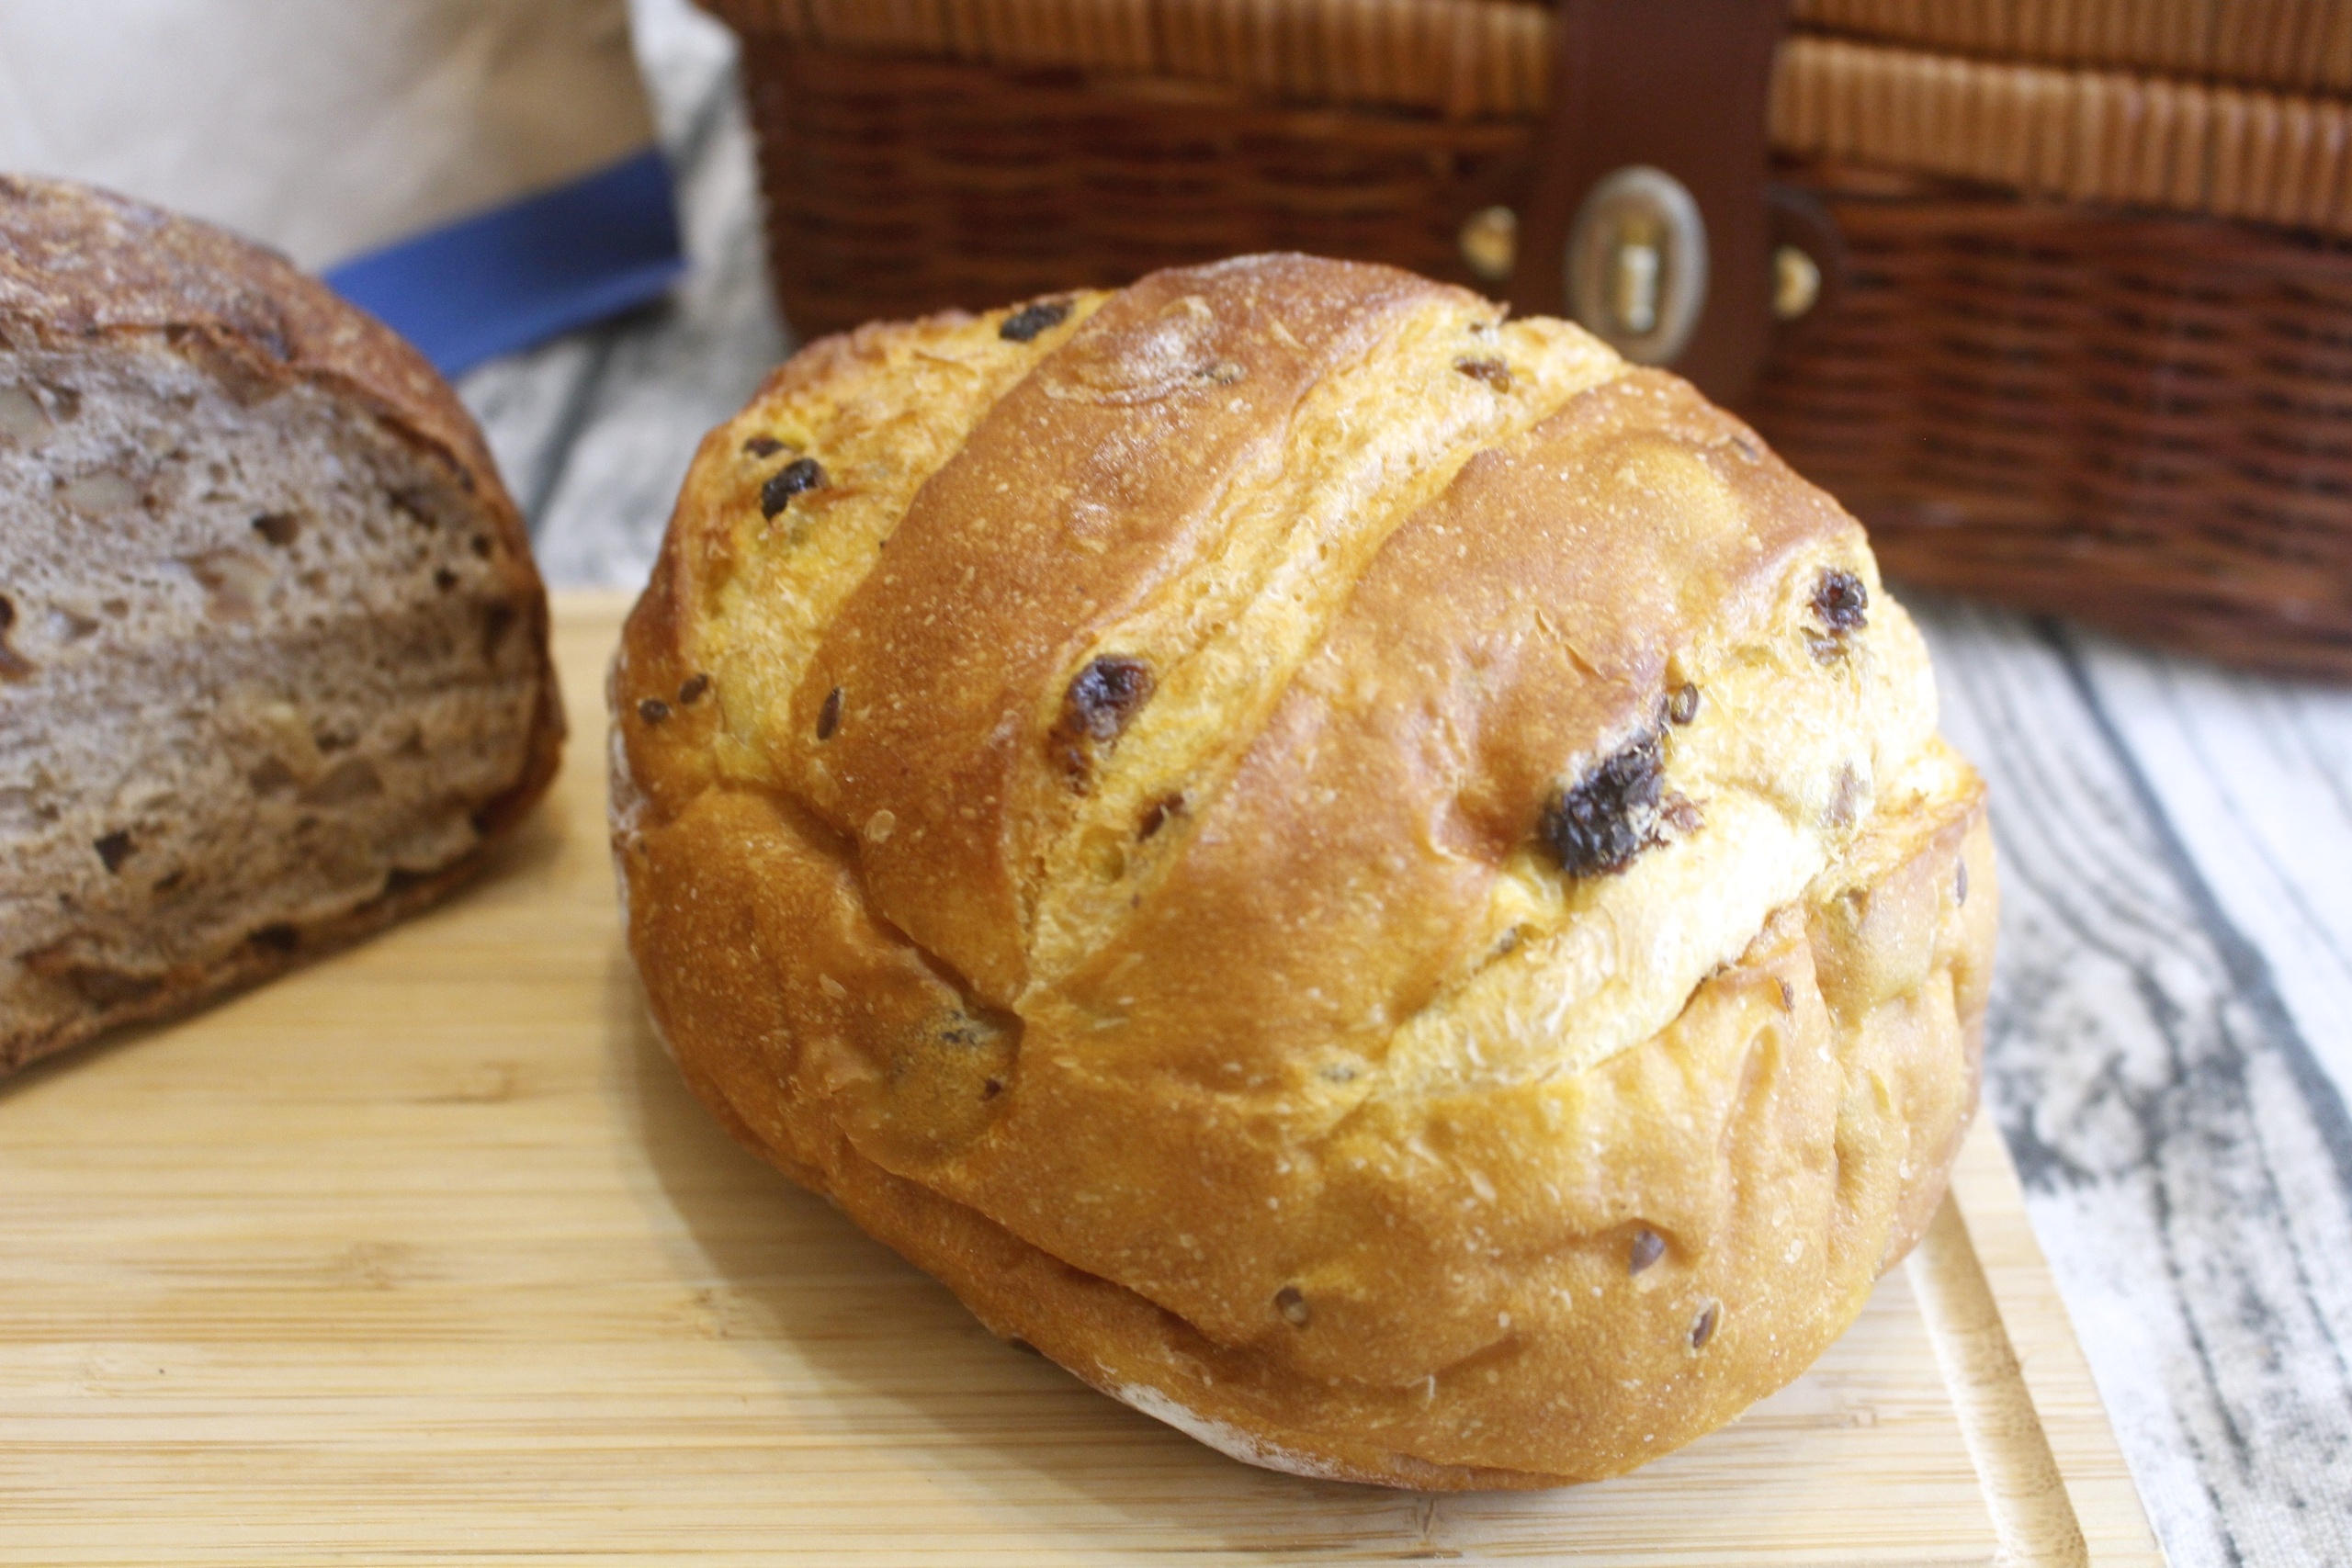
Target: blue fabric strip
x,y
508,277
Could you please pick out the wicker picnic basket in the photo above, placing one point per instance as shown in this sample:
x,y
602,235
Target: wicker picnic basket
x,y
2086,343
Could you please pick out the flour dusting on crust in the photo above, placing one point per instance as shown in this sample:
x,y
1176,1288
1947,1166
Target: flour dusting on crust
x,y
1227,1439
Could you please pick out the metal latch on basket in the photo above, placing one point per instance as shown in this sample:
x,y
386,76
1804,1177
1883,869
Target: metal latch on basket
x,y
1649,220
1637,264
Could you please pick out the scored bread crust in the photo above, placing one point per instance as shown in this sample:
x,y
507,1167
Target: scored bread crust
x,y
1252,1040
86,275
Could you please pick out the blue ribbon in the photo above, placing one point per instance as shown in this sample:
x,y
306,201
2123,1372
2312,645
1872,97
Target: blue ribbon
x,y
509,277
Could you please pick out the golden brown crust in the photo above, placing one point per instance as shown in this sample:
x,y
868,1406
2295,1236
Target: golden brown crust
x,y
82,269
187,987
1341,1140
1409,752
77,264
1086,486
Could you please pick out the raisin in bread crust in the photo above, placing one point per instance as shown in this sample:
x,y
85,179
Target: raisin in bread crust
x,y
274,666
1377,884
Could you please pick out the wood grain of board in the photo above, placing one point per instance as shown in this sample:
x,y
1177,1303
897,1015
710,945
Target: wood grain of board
x,y
425,1255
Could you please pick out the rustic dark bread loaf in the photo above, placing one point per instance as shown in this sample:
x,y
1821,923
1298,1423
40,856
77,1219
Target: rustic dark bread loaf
x,y
1378,883
273,653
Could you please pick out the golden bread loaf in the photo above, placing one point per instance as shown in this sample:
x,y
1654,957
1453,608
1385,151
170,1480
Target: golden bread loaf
x,y
1377,883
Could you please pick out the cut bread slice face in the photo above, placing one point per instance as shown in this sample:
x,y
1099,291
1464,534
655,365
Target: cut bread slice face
x,y
273,662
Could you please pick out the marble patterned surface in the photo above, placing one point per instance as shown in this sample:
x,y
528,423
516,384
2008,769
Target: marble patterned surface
x,y
2171,1047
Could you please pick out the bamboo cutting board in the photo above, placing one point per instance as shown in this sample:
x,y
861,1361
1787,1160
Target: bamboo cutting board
x,y
425,1255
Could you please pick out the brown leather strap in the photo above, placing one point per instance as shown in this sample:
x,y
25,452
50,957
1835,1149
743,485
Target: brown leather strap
x,y
1679,86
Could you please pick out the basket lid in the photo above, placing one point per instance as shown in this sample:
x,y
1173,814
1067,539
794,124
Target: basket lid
x,y
2230,108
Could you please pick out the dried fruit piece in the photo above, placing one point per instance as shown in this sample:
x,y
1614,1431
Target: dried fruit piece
x,y
762,446
1702,1327
1648,1247
1610,817
1493,372
1025,324
828,717
1681,813
691,691
1157,817
1682,706
1099,701
654,710
1291,1304
1841,602
114,849
800,474
1106,694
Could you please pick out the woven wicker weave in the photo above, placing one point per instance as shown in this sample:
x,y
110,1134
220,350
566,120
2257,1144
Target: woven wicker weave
x,y
1468,59
2296,44
2143,422
2088,135
2067,367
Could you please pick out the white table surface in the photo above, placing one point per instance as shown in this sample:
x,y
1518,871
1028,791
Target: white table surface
x,y
2170,1052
